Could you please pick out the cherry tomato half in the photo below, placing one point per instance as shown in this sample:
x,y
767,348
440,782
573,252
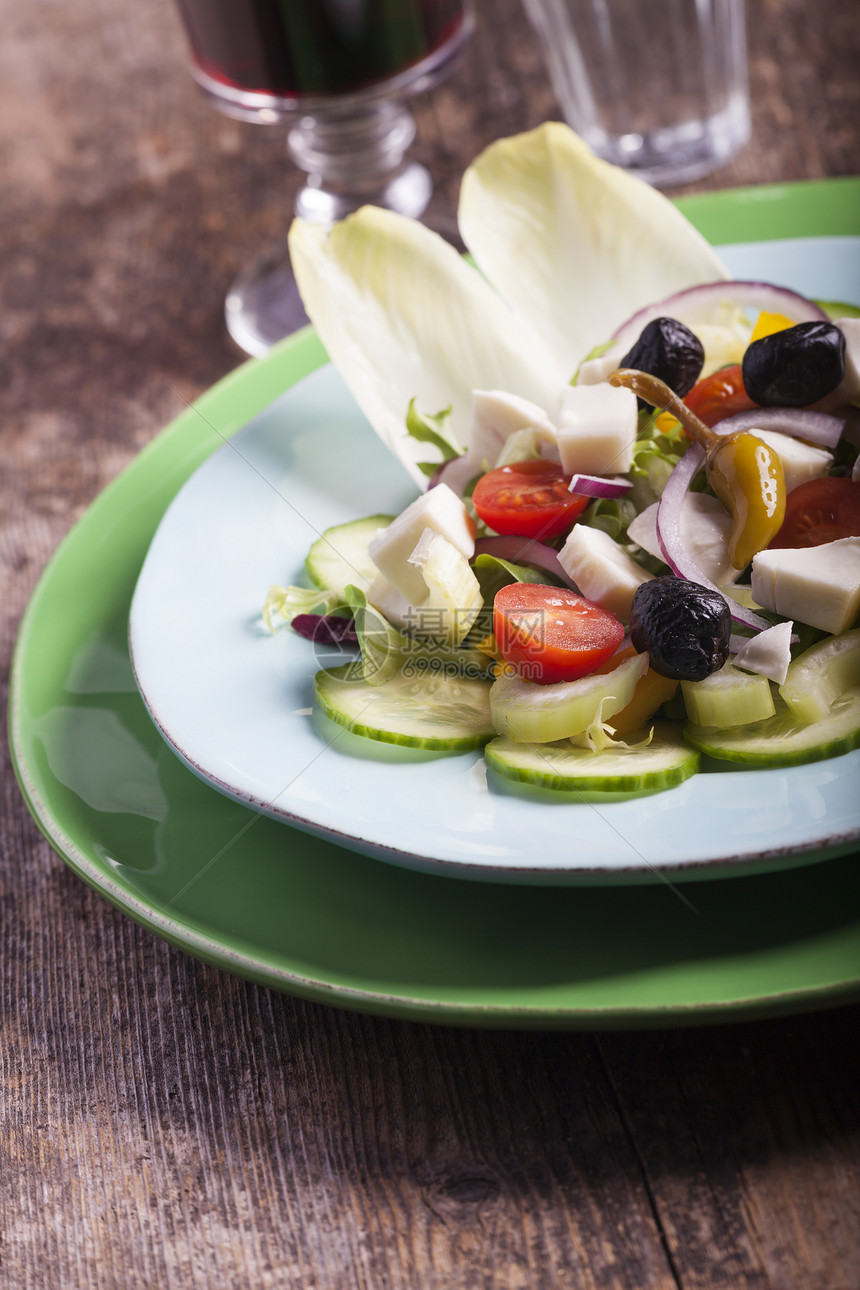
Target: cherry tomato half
x,y
528,498
550,634
719,395
819,511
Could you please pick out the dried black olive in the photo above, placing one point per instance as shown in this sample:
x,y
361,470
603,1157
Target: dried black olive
x,y
684,627
668,349
795,367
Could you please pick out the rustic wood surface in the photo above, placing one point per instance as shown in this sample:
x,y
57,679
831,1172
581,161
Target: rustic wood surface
x,y
163,1124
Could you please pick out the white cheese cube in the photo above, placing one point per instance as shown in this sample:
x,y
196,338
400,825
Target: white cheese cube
x,y
848,388
819,585
800,461
594,371
441,510
604,573
768,653
495,417
705,530
597,429
450,597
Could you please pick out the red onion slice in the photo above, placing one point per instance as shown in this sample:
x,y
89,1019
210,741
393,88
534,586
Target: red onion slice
x,y
600,485
456,473
698,304
672,545
325,629
814,427
520,550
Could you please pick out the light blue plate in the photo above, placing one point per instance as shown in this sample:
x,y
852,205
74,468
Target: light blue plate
x,y
235,703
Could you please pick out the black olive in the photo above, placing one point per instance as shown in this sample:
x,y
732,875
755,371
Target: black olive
x,y
668,349
795,367
684,627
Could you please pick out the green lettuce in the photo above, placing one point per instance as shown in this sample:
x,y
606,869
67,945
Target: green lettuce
x,y
435,430
286,603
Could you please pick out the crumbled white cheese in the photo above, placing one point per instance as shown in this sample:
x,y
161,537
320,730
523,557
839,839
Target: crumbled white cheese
x,y
768,653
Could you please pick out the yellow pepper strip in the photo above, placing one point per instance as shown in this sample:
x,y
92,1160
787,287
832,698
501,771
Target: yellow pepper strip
x,y
744,472
651,691
769,324
487,645
747,476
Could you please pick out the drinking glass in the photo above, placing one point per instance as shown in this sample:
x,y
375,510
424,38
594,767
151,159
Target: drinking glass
x,y
337,71
657,86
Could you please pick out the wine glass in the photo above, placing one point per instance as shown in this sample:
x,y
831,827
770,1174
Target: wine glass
x,y
337,71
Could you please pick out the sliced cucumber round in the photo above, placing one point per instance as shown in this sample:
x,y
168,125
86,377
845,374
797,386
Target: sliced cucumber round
x,y
665,762
821,674
780,740
340,556
415,708
530,713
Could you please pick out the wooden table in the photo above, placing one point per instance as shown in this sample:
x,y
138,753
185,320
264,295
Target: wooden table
x,y
310,1147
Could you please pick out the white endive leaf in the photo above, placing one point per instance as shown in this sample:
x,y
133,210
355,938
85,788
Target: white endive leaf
x,y
575,244
403,316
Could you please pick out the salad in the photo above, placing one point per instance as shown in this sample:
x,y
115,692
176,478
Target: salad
x,y
638,540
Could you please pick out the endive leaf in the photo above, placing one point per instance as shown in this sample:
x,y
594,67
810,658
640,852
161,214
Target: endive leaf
x,y
403,316
575,244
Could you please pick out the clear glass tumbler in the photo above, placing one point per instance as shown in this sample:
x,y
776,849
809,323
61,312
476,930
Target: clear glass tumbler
x,y
657,86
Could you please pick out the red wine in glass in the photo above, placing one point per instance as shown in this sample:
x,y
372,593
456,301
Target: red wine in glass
x,y
337,70
291,49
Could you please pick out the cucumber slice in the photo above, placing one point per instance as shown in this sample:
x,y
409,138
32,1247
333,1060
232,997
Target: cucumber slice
x,y
529,713
782,741
817,677
340,556
728,698
416,709
666,761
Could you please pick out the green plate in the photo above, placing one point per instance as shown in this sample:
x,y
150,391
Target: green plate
x,y
299,914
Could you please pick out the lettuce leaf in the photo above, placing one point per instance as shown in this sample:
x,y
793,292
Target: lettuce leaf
x,y
435,430
286,603
655,456
576,245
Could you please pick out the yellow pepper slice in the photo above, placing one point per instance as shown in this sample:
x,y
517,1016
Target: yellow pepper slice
x,y
744,472
747,476
769,324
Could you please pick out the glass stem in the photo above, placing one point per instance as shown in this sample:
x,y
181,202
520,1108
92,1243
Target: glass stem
x,y
354,156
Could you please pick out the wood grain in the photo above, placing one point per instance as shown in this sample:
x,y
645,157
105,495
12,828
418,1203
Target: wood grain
x,y
163,1124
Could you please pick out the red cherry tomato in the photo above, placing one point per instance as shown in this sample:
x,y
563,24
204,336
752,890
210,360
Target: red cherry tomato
x,y
550,634
719,395
819,511
529,498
